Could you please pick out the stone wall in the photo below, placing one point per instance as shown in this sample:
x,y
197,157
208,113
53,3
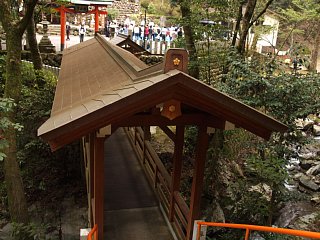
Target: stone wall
x,y
151,59
51,59
126,8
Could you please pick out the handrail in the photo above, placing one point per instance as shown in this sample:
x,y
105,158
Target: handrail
x,y
93,233
285,231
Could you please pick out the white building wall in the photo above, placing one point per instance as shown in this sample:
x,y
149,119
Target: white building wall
x,y
270,38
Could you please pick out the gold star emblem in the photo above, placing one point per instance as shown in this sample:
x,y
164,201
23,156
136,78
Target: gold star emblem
x,y
176,61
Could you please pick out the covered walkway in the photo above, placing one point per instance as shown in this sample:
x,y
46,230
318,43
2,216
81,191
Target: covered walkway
x,y
103,87
131,210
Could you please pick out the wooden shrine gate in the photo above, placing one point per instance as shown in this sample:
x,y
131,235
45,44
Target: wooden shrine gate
x,y
102,87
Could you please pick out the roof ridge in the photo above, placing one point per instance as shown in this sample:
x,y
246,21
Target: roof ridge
x,y
124,64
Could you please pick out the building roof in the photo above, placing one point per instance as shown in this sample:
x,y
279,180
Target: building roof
x,y
94,2
101,84
125,42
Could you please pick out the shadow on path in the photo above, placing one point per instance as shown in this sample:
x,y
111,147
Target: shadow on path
x,y
131,209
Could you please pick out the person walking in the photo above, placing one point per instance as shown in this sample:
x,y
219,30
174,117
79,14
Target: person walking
x,y
82,32
68,30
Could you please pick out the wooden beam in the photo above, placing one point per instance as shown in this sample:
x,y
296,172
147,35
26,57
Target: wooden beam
x,y
99,183
91,169
168,132
177,167
197,181
158,120
91,142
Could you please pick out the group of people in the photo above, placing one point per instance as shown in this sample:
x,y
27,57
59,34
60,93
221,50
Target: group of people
x,y
143,31
153,32
149,31
82,31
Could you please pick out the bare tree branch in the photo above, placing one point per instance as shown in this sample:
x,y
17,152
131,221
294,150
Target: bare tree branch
x,y
30,5
261,13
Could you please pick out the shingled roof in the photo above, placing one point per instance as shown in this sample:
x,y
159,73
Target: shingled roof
x,y
101,84
125,42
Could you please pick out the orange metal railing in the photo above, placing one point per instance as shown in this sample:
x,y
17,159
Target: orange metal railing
x,y
93,234
249,228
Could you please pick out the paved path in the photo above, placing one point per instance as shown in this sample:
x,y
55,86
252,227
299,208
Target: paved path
x,y
131,209
55,40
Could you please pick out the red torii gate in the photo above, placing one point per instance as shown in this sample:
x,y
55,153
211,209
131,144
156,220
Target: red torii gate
x,y
63,10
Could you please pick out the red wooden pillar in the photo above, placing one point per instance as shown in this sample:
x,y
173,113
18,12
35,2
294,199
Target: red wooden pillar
x,y
96,19
62,27
177,167
99,183
197,182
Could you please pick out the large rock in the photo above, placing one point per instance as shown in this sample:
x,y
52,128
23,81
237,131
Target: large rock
x,y
315,170
316,130
292,211
306,164
316,198
262,188
304,124
306,222
307,182
217,213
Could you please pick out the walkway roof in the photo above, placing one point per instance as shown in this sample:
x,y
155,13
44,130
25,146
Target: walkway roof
x,y
101,84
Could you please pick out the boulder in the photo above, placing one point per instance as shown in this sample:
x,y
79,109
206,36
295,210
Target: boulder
x,y
299,123
305,222
315,170
292,211
217,213
316,198
316,130
262,188
307,182
306,164
297,176
307,124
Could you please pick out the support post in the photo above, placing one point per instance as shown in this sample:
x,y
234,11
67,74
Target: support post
x,y
197,181
177,167
62,28
91,168
96,19
99,183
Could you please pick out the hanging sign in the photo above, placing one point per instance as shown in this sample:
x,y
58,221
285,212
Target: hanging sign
x,y
80,8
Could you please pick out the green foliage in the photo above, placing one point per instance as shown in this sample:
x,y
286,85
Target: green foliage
x,y
43,171
6,106
284,96
113,13
190,139
151,8
30,231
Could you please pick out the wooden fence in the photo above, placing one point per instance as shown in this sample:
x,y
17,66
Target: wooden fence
x,y
160,180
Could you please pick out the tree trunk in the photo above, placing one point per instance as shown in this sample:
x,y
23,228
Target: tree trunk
x,y
237,27
33,44
188,33
315,52
251,4
16,197
254,42
213,165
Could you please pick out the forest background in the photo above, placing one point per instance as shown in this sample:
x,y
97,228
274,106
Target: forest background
x,y
32,173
